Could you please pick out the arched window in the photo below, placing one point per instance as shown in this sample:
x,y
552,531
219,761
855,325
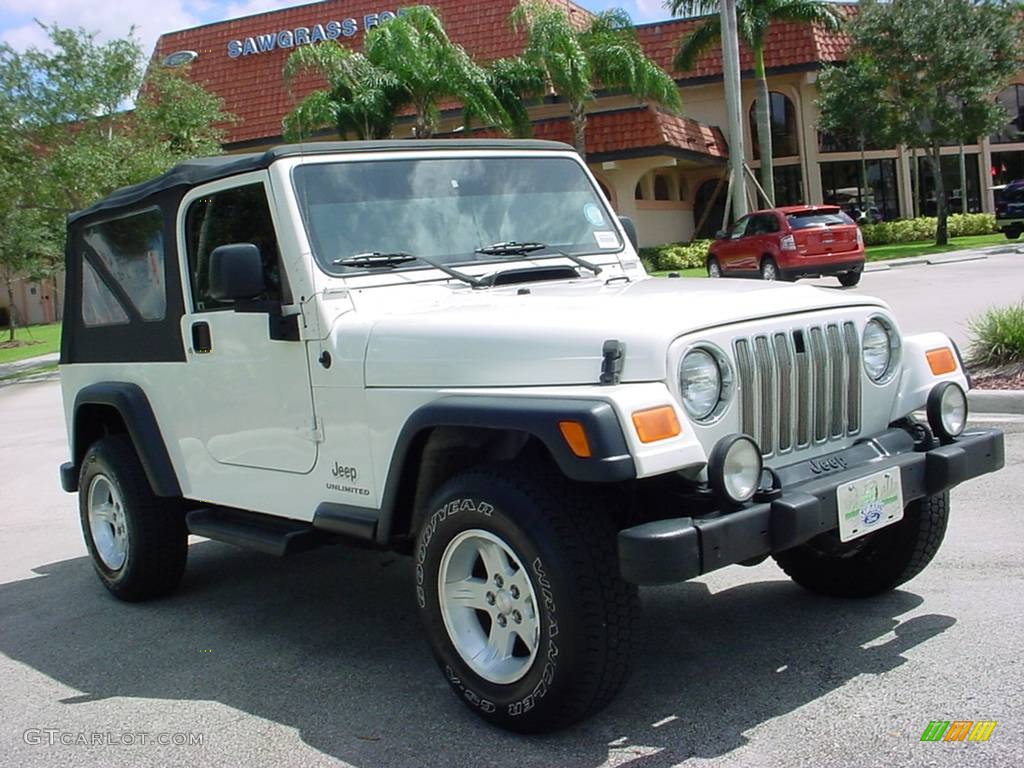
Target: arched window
x,y
709,208
1012,100
785,141
661,188
638,193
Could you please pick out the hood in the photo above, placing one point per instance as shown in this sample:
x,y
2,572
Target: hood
x,y
554,334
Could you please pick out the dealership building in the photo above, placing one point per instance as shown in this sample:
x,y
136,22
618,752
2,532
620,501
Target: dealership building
x,y
662,169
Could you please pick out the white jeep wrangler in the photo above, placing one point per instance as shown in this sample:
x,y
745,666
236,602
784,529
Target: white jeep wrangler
x,y
451,349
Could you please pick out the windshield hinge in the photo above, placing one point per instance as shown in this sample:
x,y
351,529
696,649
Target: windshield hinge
x,y
614,354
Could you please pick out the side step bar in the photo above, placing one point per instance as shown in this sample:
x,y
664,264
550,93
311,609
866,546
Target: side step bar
x,y
251,530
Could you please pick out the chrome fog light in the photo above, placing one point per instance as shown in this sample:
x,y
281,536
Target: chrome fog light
x,y
947,410
734,468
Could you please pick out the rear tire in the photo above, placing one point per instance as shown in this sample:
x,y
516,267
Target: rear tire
x,y
770,271
138,542
849,279
714,268
1012,234
560,593
873,564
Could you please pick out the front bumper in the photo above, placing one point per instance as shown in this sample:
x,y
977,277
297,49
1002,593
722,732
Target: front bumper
x,y
673,550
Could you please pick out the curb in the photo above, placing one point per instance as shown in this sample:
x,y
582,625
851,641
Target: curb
x,y
996,401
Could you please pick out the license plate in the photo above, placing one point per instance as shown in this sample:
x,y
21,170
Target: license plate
x,y
870,503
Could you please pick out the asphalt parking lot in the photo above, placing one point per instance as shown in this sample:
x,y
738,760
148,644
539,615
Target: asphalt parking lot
x,y
318,660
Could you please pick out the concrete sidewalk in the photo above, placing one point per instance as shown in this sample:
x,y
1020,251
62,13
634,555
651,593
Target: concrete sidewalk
x,y
946,257
28,364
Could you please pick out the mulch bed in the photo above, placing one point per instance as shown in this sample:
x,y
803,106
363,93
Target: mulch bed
x,y
17,343
1001,377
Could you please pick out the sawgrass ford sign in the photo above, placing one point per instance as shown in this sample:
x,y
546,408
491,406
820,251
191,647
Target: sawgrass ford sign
x,y
291,38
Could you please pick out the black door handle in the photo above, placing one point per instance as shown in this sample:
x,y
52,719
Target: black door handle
x,y
201,338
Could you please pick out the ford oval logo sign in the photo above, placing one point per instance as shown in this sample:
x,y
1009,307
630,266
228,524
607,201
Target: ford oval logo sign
x,y
180,58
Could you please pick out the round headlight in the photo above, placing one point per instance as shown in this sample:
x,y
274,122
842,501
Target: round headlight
x,y
947,410
878,349
734,468
700,381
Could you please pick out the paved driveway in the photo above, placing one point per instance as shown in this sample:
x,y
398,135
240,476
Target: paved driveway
x,y
318,659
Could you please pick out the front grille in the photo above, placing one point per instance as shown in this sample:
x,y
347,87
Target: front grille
x,y
799,387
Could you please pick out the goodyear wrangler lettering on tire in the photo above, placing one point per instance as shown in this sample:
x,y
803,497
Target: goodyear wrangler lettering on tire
x,y
452,507
520,596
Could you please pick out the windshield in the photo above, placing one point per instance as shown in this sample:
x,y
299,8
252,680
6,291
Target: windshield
x,y
446,209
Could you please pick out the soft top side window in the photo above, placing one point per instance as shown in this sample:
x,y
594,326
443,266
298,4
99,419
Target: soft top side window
x,y
123,272
237,215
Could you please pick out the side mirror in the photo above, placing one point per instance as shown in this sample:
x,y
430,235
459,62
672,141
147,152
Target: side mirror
x,y
721,234
236,272
630,227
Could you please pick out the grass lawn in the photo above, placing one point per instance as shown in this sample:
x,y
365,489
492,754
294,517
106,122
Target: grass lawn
x,y
927,247
39,340
901,251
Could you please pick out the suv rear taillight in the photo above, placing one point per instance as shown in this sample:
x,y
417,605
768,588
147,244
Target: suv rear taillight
x,y
860,238
787,243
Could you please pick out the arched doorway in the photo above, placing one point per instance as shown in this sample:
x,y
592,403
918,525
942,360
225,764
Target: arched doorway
x,y
708,208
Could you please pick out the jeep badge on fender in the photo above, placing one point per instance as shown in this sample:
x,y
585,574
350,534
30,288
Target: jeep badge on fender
x,y
451,350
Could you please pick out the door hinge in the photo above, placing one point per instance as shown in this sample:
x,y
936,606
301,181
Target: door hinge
x,y
314,434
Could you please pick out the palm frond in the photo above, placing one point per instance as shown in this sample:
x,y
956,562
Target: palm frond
x,y
690,8
315,112
696,43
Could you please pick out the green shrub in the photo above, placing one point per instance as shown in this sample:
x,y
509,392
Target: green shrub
x,y
923,228
675,256
998,336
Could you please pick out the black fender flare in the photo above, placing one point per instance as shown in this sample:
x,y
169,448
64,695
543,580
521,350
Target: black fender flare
x,y
133,406
611,460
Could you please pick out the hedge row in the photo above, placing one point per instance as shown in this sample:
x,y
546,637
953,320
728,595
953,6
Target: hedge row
x,y
689,255
675,256
923,228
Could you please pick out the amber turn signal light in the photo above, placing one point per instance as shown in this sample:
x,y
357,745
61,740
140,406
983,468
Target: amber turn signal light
x,y
576,437
656,424
941,360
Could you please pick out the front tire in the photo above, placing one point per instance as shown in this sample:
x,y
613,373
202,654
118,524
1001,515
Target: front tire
x,y
849,279
1012,234
138,542
873,564
519,593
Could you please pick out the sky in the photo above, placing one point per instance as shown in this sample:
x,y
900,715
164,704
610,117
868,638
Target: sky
x,y
151,18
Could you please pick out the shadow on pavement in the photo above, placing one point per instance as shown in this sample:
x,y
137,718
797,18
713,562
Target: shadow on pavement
x,y
329,643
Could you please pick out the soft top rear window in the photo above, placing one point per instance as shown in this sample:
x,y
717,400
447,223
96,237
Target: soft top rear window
x,y
817,218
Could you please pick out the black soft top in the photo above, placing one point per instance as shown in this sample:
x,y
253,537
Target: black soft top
x,y
201,170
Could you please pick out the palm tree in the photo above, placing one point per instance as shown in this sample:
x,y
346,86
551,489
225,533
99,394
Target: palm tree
x,y
408,61
604,52
753,17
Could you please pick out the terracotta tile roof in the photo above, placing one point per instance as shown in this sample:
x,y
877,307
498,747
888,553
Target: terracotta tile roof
x,y
788,45
639,130
253,88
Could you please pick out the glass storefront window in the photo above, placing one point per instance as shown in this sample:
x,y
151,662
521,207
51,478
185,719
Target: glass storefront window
x,y
951,183
876,200
1012,99
789,185
1006,166
784,127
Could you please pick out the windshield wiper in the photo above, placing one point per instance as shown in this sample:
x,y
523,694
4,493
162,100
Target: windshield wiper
x,y
514,248
375,260
510,248
380,260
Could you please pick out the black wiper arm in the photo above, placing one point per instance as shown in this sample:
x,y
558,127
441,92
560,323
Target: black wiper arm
x,y
510,248
514,248
375,260
379,260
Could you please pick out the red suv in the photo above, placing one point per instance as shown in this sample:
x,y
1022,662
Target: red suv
x,y
791,242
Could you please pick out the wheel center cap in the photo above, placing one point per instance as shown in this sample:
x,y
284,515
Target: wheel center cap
x,y
503,601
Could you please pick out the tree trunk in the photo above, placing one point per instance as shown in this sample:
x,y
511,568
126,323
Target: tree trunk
x,y
578,116
915,183
941,209
862,193
9,283
423,127
764,126
963,180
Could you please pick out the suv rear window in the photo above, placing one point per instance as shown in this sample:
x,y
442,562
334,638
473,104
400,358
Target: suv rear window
x,y
1012,194
807,219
